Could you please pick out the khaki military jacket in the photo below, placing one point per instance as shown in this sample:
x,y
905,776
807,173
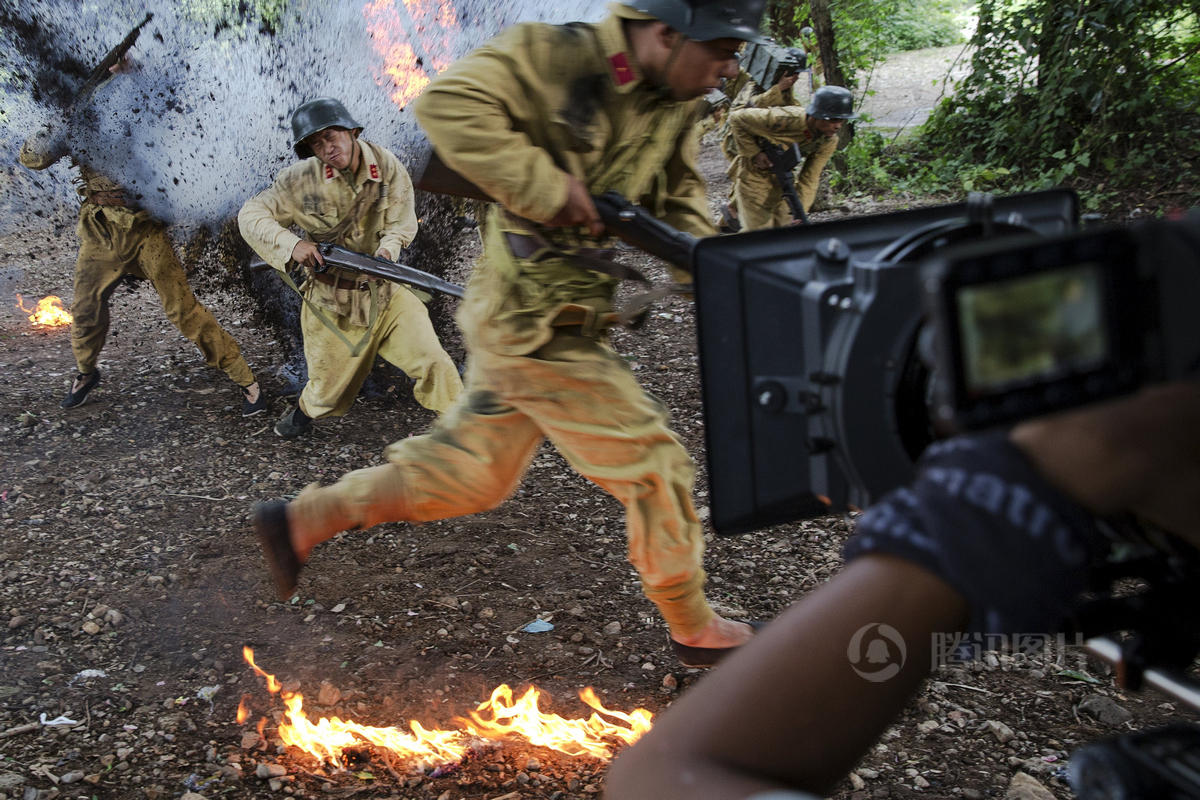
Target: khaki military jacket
x,y
782,125
519,114
315,197
748,95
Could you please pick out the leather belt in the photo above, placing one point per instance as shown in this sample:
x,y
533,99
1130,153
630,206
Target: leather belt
x,y
583,321
340,283
111,197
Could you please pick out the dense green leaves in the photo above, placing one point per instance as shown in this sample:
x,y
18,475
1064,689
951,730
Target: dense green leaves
x,y
1103,95
1059,89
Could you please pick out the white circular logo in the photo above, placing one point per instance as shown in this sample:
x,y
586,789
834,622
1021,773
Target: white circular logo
x,y
877,652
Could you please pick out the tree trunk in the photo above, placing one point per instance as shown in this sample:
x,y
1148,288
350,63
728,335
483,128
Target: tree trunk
x,y
822,22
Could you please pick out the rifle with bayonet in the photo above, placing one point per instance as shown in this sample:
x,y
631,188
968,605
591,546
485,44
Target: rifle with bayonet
x,y
784,159
336,256
627,221
102,71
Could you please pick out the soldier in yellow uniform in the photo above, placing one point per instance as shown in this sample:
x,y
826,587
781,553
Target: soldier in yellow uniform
x,y
759,198
355,194
557,114
747,94
117,239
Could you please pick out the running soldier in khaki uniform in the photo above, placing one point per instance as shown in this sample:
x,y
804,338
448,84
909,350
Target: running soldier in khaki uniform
x,y
558,113
357,195
759,198
118,239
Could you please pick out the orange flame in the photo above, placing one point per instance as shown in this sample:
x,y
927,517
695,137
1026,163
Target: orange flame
x,y
48,313
574,737
411,52
498,717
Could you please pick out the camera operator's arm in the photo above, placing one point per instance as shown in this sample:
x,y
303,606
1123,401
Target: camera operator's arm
x,y
982,534
788,709
1139,455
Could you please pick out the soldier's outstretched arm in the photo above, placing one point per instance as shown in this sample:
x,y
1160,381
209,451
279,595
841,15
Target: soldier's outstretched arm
x,y
44,148
400,216
810,174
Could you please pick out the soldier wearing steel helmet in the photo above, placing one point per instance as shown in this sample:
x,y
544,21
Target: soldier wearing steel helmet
x,y
355,194
814,130
557,114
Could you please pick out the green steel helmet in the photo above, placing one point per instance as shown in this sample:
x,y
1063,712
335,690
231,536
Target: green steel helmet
x,y
705,20
317,115
832,102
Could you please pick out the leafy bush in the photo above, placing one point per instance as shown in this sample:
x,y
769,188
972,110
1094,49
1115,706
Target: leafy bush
x,y
1103,90
917,24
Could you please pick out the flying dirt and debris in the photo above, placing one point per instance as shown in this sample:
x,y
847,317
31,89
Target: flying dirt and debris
x,y
130,581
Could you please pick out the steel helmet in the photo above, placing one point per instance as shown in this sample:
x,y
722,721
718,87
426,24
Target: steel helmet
x,y
317,115
832,102
705,20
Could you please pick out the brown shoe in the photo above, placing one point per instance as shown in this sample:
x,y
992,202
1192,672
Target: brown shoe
x,y
704,657
271,526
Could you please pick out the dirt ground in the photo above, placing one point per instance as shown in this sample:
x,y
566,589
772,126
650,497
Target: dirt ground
x,y
132,582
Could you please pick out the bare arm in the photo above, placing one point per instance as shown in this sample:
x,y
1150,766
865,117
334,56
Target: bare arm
x,y
789,710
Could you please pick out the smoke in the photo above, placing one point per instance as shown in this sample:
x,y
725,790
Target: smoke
x,y
200,122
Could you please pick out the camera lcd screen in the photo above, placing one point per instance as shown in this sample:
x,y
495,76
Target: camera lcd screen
x,y
1032,329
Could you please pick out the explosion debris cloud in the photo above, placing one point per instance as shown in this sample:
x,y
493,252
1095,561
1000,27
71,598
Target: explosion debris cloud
x,y
200,121
499,717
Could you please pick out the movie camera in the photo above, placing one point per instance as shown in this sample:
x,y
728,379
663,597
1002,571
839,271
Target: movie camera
x,y
767,62
831,355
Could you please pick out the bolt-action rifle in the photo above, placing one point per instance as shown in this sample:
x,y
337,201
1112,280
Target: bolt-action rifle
x,y
377,268
627,221
784,159
102,71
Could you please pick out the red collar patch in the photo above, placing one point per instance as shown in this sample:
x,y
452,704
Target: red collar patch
x,y
621,69
374,172
328,172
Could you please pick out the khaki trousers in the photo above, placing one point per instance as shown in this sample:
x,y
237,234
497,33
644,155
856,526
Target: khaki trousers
x,y
115,241
760,202
402,335
583,397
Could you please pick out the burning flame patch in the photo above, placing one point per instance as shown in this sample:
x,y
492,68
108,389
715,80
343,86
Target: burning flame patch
x,y
49,312
500,716
414,38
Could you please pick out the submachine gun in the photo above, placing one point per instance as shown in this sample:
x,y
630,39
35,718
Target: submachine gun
x,y
101,72
784,159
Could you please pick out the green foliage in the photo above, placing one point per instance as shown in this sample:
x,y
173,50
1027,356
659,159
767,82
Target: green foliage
x,y
235,13
918,24
865,30
1095,91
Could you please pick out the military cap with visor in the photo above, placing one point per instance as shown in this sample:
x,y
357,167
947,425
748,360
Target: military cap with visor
x,y
314,117
701,20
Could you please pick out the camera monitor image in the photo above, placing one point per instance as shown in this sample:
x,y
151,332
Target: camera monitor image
x,y
1032,329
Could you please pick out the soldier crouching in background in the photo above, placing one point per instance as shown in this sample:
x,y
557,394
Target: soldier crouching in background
x,y
355,194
